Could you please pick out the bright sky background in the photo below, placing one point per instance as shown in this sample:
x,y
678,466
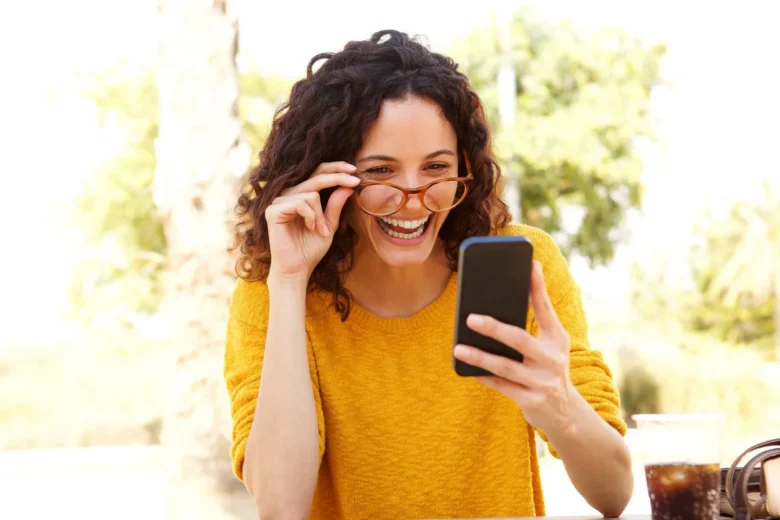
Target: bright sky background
x,y
716,119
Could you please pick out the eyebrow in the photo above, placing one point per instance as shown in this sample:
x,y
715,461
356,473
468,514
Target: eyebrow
x,y
431,155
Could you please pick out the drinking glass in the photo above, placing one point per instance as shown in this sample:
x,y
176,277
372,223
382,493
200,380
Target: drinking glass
x,y
681,455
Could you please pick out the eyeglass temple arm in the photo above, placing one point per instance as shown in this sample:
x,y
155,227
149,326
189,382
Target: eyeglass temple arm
x,y
468,163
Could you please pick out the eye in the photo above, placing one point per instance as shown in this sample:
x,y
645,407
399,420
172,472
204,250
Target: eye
x,y
437,167
378,170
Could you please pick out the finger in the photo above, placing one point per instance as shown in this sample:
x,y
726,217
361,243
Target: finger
x,y
285,211
309,216
523,396
333,211
500,366
504,386
511,336
334,167
280,211
316,205
540,302
319,182
313,200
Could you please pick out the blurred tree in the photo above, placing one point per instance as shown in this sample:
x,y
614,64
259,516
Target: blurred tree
x,y
581,105
202,157
640,392
260,96
737,273
120,274
734,290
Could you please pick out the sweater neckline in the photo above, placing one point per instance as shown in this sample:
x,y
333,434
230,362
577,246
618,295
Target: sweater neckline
x,y
438,312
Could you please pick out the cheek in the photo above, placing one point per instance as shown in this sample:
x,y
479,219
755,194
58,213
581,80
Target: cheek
x,y
442,217
359,221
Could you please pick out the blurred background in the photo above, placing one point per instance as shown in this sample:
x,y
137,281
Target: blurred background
x,y
641,135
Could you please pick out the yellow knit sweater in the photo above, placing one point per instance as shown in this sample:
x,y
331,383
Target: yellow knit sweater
x,y
400,434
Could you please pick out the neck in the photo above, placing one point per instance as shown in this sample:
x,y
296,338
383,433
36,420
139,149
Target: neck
x,y
397,292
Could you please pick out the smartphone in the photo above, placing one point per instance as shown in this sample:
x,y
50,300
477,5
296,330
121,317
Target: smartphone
x,y
494,279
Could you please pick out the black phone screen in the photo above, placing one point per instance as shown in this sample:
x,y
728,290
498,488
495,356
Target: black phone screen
x,y
494,279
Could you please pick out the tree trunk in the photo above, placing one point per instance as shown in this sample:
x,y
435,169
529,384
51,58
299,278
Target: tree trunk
x,y
201,157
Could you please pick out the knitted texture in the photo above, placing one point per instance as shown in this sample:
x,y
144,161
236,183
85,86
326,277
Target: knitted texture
x,y
401,435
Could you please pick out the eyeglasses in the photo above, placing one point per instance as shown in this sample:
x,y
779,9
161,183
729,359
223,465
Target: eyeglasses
x,y
381,199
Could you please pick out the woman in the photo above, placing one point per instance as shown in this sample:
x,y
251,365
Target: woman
x,y
338,361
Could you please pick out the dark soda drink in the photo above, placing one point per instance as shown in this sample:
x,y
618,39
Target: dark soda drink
x,y
681,491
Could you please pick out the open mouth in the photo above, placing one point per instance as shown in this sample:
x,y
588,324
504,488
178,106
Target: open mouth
x,y
403,229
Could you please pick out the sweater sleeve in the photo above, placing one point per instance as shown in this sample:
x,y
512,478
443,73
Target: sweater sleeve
x,y
589,372
244,349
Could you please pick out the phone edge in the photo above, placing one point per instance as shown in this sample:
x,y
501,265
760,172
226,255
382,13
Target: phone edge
x,y
456,363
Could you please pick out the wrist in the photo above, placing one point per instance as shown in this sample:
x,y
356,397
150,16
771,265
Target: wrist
x,y
571,413
287,282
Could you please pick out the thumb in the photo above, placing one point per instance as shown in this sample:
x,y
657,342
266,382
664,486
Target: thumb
x,y
336,203
540,301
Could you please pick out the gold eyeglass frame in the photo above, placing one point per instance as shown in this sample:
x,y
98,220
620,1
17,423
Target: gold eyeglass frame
x,y
417,191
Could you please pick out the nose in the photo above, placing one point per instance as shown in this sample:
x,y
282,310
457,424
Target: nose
x,y
414,202
413,180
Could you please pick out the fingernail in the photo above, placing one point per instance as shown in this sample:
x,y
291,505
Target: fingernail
x,y
325,230
461,351
353,179
476,320
351,167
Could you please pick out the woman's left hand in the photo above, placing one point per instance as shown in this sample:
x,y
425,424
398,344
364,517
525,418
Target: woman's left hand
x,y
540,385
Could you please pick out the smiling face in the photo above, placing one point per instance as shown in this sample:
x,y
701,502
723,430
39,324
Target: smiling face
x,y
411,145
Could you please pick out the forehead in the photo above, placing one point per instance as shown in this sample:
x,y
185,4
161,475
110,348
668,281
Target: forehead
x,y
409,127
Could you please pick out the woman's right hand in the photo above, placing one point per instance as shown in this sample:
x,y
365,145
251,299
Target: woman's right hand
x,y
299,231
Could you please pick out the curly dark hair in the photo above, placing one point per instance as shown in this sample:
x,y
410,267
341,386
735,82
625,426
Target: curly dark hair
x,y
325,120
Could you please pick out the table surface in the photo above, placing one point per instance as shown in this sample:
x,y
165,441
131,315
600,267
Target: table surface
x,y
627,517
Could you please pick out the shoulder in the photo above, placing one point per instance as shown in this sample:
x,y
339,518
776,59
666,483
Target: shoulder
x,y
554,265
530,232
545,248
250,301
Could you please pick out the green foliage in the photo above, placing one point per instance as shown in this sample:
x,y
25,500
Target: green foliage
x,y
81,394
581,106
640,392
744,322
740,307
651,296
735,264
121,270
260,96
677,371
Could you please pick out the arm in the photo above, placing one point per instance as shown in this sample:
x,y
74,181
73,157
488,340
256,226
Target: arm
x,y
282,455
589,441
564,389
278,428
596,458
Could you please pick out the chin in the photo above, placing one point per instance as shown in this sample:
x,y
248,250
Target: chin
x,y
404,249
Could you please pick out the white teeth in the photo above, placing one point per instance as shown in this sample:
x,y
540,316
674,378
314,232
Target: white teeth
x,y
406,224
417,225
